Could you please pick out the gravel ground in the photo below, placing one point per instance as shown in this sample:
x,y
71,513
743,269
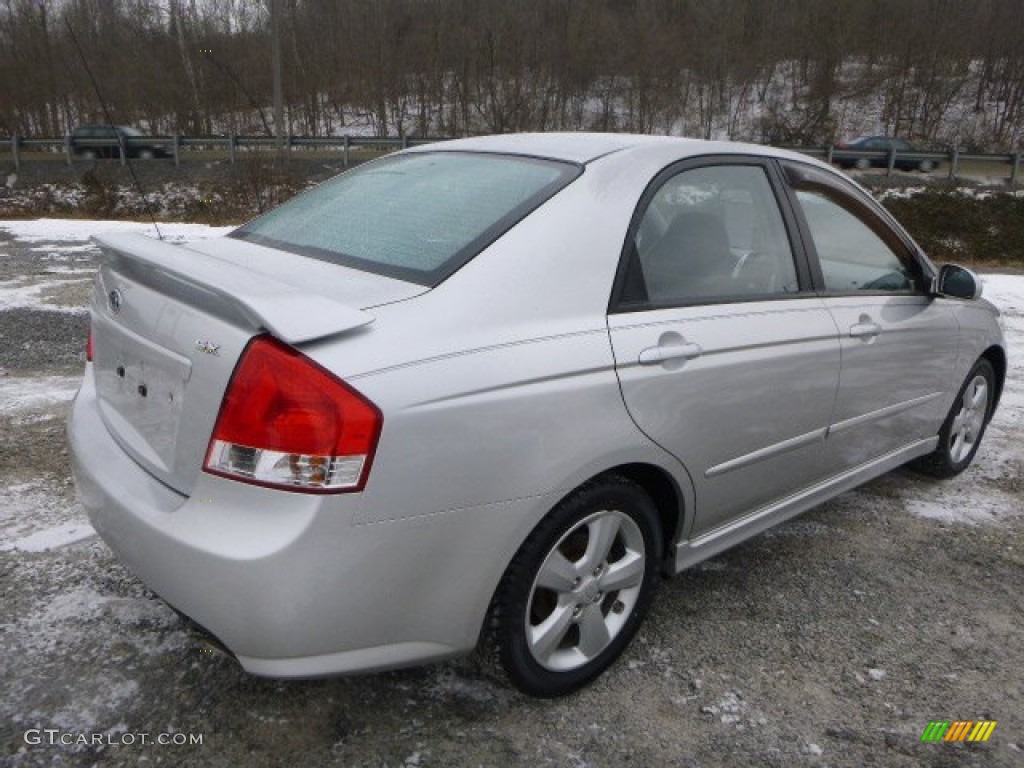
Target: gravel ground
x,y
831,640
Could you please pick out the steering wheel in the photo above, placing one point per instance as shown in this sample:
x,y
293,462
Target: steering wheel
x,y
757,271
890,281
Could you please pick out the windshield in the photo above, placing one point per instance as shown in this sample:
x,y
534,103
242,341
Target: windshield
x,y
418,217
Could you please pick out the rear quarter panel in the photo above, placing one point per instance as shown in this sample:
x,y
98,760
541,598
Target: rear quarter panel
x,y
508,422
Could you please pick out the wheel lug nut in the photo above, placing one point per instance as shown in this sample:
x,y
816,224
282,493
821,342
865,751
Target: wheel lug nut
x,y
618,606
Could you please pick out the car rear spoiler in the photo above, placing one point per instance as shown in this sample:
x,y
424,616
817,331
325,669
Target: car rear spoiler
x,y
228,289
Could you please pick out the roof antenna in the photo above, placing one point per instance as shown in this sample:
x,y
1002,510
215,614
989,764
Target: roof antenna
x,y
110,121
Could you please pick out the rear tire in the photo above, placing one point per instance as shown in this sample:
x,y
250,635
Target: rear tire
x,y
578,588
926,166
862,163
146,154
964,426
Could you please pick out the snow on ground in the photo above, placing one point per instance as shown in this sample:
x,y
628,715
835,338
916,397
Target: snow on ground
x,y
78,230
76,623
51,538
37,516
60,269
29,293
32,393
65,249
948,513
1006,292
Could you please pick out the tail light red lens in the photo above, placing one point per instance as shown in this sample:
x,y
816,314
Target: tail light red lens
x,y
288,423
88,348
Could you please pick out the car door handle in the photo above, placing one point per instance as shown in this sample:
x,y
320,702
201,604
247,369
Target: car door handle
x,y
664,353
865,330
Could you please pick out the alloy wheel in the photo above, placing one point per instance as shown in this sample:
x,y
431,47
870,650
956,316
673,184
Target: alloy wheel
x,y
585,590
969,421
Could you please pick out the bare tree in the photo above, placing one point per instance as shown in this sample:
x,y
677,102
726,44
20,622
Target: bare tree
x,y
801,71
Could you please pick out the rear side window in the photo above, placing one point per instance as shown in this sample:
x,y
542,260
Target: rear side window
x,y
710,234
417,217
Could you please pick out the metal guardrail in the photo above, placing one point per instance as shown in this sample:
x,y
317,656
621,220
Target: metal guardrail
x,y
172,146
891,159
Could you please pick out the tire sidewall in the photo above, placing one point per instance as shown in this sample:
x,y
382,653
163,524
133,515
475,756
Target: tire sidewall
x,y
526,673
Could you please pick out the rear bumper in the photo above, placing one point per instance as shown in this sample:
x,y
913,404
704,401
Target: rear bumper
x,y
288,582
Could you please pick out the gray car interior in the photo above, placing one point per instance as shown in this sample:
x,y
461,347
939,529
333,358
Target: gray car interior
x,y
691,260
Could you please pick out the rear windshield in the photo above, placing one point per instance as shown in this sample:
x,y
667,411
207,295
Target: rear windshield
x,y
418,217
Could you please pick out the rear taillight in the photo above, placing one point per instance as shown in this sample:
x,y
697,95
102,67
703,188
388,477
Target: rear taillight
x,y
288,423
88,348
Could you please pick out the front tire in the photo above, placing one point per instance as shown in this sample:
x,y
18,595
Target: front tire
x,y
964,426
862,163
578,588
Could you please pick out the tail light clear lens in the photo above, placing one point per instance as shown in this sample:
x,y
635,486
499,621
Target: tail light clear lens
x,y
288,423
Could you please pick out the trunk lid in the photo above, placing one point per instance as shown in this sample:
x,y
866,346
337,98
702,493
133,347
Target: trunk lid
x,y
169,323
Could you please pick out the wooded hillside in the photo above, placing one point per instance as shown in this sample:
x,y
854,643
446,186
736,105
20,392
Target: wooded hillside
x,y
783,71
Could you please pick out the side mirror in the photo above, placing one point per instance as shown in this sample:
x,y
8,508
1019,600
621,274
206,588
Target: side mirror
x,y
956,282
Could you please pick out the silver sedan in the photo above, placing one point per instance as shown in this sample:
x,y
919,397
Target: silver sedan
x,y
488,392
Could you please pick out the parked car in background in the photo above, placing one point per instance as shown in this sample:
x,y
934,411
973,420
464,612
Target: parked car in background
x,y
497,387
908,158
93,141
